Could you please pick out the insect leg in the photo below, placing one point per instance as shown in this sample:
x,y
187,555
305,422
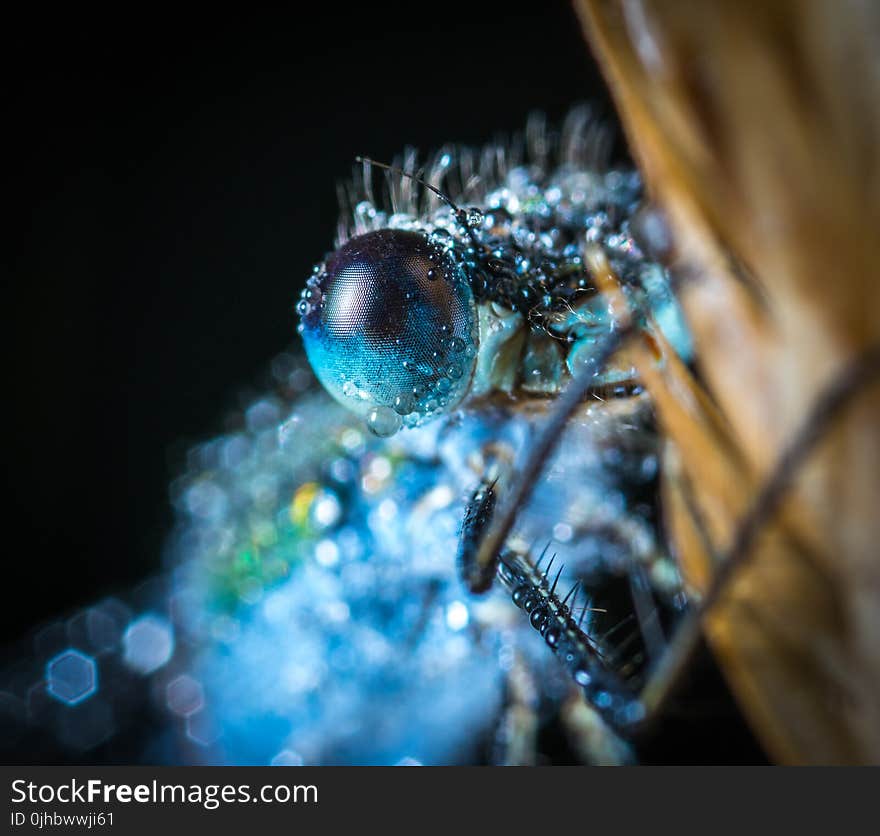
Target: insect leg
x,y
569,402
477,517
534,593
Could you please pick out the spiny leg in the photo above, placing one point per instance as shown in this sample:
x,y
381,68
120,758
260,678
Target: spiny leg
x,y
631,712
666,675
533,591
479,560
477,518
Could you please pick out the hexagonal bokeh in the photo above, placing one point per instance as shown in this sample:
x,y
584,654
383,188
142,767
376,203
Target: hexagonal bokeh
x,y
148,643
184,695
201,728
71,677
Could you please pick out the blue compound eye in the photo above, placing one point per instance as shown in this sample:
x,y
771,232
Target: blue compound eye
x,y
389,326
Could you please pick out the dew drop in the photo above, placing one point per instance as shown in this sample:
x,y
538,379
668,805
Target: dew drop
x,y
383,421
404,404
474,217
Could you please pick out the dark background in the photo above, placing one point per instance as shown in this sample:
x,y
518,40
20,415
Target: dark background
x,y
172,182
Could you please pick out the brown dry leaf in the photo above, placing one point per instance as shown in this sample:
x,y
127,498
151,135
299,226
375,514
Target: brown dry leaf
x,y
756,125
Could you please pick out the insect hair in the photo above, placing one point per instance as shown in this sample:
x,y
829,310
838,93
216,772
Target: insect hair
x,y
460,175
462,216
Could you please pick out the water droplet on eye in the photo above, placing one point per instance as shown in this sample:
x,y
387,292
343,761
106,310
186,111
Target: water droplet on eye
x,y
432,274
404,404
303,307
454,371
383,421
457,345
443,385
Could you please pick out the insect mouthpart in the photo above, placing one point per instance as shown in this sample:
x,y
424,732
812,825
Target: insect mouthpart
x,y
389,325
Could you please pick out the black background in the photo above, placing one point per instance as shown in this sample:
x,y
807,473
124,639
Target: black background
x,y
172,182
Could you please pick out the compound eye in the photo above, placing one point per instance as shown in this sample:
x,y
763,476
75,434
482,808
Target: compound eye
x,y
389,326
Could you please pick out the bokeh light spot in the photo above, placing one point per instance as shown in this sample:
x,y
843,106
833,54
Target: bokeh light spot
x,y
71,677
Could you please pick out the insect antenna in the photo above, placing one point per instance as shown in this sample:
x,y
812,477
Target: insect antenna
x,y
461,215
